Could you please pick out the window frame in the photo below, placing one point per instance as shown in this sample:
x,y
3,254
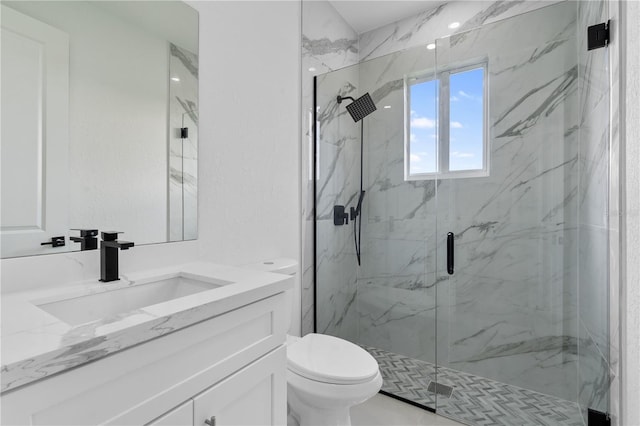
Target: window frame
x,y
443,125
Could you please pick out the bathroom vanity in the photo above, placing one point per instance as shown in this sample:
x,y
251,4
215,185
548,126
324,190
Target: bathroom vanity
x,y
210,352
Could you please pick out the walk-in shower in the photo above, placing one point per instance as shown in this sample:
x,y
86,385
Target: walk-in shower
x,y
489,145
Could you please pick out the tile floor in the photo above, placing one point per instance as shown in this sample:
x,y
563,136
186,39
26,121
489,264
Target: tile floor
x,y
473,400
382,410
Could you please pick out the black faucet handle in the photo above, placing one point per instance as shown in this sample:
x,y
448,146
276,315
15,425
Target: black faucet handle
x,y
88,238
86,232
110,235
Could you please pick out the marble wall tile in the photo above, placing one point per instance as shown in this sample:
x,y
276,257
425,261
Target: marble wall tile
x,y
336,298
594,375
397,319
328,43
594,288
337,183
431,24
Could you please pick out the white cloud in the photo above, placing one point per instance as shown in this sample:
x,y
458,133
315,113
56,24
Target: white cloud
x,y
423,123
455,99
458,154
456,125
466,95
413,138
415,158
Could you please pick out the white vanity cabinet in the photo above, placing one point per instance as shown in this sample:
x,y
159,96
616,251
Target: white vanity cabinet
x,y
231,367
248,397
181,415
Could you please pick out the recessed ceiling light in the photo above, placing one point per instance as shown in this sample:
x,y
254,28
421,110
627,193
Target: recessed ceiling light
x,y
454,25
312,69
387,106
175,79
431,46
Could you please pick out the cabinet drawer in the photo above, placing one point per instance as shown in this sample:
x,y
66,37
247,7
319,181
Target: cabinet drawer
x,y
254,396
179,416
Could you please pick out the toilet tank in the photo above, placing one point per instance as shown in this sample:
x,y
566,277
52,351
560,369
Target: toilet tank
x,y
285,266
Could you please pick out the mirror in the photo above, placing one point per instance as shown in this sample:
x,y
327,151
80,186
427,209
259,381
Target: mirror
x,y
99,122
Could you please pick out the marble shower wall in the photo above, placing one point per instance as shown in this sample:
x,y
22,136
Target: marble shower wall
x,y
509,312
514,312
328,43
595,372
183,153
433,23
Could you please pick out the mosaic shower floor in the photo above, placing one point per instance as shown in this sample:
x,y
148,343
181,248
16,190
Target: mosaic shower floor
x,y
473,400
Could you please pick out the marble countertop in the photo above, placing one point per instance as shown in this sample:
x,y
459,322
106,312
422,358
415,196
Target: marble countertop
x,y
36,344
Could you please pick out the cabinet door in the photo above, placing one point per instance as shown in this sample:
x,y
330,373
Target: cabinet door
x,y
182,415
255,395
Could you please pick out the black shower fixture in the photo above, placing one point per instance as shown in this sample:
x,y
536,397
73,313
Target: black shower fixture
x,y
360,107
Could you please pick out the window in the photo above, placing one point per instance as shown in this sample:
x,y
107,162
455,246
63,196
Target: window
x,y
455,145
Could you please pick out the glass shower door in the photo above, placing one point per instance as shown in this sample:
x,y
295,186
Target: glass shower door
x,y
387,304
509,207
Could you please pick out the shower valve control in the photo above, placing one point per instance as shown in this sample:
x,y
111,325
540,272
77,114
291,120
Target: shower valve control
x,y
340,217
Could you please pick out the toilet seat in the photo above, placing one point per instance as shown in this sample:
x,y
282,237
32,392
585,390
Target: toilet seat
x,y
331,360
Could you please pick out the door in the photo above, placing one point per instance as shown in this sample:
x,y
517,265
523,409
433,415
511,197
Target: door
x,y
527,146
255,395
34,137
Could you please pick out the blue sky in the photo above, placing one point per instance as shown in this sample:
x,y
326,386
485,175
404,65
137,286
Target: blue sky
x,y
466,119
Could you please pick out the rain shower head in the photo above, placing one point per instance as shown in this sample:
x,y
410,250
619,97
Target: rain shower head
x,y
360,107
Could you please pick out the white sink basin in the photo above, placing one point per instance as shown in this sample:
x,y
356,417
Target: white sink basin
x,y
113,303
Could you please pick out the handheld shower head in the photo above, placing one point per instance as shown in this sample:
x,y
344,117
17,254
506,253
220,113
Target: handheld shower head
x,y
360,107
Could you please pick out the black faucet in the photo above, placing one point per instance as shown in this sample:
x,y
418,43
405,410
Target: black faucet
x,y
88,239
109,247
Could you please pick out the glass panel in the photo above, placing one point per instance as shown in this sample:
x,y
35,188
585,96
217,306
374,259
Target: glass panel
x,y
338,180
510,316
466,120
594,379
423,126
387,304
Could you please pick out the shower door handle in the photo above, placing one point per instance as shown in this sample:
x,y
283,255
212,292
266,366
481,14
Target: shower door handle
x,y
450,253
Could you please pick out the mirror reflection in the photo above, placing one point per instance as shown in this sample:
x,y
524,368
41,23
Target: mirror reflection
x,y
99,122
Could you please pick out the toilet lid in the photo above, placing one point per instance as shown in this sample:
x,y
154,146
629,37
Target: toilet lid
x,y
329,359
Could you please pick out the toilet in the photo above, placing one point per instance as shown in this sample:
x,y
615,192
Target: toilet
x,y
326,375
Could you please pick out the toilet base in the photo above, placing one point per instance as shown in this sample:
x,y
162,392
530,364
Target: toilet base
x,y
313,403
314,416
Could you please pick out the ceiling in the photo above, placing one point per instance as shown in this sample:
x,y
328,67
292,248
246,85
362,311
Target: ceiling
x,y
366,15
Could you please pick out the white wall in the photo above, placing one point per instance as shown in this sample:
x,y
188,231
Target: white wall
x,y
630,292
249,177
